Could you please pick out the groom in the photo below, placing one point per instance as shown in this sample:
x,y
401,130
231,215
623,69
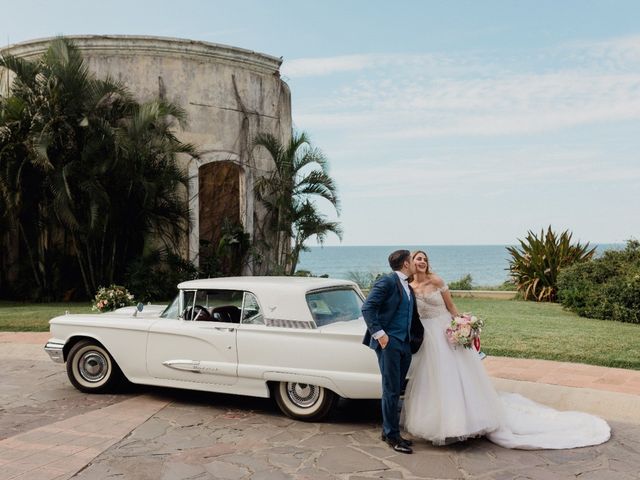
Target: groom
x,y
394,331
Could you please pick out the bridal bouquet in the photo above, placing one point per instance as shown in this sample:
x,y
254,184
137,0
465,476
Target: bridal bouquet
x,y
465,330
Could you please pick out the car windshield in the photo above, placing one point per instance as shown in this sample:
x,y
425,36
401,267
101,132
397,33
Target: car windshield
x,y
172,310
331,306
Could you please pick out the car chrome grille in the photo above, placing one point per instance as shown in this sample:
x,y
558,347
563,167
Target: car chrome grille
x,y
277,322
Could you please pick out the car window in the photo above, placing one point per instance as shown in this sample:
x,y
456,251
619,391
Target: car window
x,y
214,306
173,309
338,305
251,313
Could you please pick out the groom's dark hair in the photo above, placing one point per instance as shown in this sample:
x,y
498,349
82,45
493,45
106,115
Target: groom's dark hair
x,y
397,259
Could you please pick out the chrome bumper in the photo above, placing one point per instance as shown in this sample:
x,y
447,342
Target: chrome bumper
x,y
54,349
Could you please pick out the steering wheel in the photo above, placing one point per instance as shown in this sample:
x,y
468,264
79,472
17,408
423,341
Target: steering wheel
x,y
197,312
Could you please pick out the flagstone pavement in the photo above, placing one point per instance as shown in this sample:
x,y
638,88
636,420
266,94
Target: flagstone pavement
x,y
48,430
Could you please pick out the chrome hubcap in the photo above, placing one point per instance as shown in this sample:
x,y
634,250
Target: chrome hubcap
x,y
303,394
93,366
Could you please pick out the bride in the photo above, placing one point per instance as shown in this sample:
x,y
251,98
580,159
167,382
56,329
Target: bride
x,y
450,397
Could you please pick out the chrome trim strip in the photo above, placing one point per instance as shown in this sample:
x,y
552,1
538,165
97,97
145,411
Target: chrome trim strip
x,y
54,349
184,365
277,322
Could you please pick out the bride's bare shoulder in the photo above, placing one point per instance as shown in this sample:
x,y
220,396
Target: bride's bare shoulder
x,y
436,281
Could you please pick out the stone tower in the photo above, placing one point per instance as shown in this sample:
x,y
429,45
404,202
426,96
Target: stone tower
x,y
230,95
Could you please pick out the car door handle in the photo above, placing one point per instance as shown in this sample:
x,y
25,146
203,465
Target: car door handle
x,y
225,329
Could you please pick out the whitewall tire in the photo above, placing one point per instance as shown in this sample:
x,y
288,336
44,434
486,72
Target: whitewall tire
x,y
302,401
91,369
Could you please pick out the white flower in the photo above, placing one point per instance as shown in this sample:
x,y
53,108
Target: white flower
x,y
465,330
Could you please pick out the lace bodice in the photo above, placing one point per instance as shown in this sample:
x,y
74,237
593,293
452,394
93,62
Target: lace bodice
x,y
432,304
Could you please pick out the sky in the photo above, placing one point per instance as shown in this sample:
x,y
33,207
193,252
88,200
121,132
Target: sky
x,y
451,122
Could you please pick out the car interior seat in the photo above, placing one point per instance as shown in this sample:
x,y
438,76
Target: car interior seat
x,y
226,313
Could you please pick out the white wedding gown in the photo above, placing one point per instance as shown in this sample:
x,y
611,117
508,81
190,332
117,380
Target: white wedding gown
x,y
450,397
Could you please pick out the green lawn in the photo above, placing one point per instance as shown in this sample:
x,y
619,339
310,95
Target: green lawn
x,y
541,330
513,328
34,317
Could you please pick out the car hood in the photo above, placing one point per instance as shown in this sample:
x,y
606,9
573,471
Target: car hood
x,y
147,310
150,312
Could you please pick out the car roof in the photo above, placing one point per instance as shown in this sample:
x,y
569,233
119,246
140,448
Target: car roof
x,y
281,298
243,283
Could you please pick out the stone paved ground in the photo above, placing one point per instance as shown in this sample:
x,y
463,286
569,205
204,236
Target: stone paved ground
x,y
32,393
207,436
193,435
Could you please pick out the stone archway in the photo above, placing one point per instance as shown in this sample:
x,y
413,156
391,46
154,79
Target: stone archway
x,y
218,199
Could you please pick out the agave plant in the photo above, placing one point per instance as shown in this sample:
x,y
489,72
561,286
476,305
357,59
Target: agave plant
x,y
534,266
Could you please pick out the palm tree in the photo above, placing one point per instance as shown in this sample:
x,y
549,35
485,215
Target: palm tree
x,y
87,174
309,222
300,174
138,198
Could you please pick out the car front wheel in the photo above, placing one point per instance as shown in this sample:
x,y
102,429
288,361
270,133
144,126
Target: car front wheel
x,y
91,369
303,401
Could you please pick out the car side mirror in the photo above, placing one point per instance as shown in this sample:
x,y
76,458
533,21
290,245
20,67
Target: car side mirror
x,y
217,317
139,308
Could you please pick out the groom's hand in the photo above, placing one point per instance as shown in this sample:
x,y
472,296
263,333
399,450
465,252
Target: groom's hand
x,y
383,340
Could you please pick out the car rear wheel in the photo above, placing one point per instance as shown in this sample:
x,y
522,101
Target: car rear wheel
x,y
303,401
91,369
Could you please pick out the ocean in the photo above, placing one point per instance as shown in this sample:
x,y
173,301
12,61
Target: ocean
x,y
487,264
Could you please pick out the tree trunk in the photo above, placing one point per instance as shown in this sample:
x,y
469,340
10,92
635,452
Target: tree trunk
x,y
30,253
82,267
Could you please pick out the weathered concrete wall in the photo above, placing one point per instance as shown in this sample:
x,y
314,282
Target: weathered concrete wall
x,y
230,95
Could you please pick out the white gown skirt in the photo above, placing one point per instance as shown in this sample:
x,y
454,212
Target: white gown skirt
x,y
450,397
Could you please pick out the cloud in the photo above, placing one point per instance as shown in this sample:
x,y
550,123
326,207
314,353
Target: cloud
x,y
543,137
417,103
620,53
323,66
481,175
306,67
501,117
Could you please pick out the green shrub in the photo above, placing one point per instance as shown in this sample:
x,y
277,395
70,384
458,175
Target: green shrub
x,y
155,276
228,256
535,265
607,287
464,283
507,286
365,280
309,274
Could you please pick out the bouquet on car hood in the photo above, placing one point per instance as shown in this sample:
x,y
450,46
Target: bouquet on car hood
x,y
112,297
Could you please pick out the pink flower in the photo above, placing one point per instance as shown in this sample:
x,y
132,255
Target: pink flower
x,y
463,329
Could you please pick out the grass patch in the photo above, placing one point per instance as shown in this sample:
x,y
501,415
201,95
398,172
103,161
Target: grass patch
x,y
513,328
522,329
34,317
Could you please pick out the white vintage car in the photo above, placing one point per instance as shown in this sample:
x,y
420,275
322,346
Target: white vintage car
x,y
295,339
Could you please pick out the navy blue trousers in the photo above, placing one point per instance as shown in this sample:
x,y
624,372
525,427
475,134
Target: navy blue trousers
x,y
394,361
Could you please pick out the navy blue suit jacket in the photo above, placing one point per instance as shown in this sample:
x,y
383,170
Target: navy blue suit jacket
x,y
380,310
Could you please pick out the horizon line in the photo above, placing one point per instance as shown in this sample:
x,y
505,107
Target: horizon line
x,y
447,245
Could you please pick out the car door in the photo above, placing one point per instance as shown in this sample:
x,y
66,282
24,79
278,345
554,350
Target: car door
x,y
199,345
